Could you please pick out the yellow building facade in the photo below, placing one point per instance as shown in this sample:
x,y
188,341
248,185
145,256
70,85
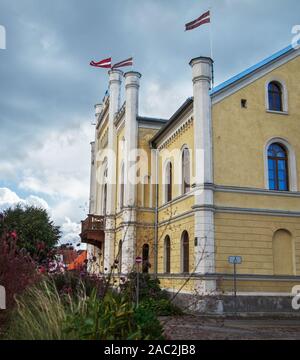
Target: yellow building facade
x,y
220,178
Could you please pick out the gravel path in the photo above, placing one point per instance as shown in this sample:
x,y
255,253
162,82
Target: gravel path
x,y
203,328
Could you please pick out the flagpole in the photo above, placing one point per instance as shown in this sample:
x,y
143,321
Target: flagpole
x,y
211,43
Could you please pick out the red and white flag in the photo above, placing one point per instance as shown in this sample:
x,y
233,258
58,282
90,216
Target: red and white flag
x,y
106,63
127,62
203,19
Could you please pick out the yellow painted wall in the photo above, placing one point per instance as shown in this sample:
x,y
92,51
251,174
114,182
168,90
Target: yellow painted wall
x,y
186,137
251,236
174,230
240,135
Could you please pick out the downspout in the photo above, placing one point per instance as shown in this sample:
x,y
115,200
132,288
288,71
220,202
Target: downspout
x,y
156,216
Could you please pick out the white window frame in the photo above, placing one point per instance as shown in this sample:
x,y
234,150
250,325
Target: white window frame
x,y
292,165
165,184
185,147
285,102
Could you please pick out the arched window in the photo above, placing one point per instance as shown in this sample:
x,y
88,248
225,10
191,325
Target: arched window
x,y
167,255
120,256
104,199
185,252
122,187
275,96
145,201
186,183
169,180
146,264
278,167
283,254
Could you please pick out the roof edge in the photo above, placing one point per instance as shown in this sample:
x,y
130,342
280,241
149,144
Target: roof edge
x,y
170,122
251,69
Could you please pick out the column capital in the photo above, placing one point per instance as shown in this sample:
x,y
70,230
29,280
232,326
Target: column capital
x,y
202,69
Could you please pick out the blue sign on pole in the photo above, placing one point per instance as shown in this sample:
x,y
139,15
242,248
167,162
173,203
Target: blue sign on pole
x,y
235,260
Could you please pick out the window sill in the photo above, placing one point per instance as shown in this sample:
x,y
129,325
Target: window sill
x,y
277,112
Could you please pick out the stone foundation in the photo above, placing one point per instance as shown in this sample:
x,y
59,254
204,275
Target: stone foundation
x,y
242,305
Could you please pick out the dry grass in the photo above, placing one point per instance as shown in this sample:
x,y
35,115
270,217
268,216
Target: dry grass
x,y
41,314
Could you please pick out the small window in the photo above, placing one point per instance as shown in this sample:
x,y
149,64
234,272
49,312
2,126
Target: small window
x,y
146,263
186,183
278,167
167,255
275,96
169,180
244,103
122,187
185,253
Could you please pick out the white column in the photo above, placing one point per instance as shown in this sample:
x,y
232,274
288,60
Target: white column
x,y
131,141
115,81
204,197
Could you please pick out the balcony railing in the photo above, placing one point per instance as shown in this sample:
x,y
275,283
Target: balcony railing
x,y
92,230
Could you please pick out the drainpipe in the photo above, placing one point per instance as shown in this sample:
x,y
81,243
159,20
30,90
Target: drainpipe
x,y
156,216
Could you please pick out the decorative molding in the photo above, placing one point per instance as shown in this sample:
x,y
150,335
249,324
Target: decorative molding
x,y
119,115
104,140
176,200
255,191
255,211
104,111
180,129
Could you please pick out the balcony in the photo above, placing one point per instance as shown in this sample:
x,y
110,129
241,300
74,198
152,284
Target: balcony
x,y
92,230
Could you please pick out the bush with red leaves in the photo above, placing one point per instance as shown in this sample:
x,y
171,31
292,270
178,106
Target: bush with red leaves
x,y
17,269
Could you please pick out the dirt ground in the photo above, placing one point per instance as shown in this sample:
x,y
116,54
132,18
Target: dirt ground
x,y
203,328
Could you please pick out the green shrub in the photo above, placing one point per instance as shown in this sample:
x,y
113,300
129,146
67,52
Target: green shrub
x,y
149,287
107,319
148,324
161,307
43,313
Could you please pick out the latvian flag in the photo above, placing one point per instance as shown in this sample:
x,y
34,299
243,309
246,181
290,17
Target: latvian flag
x,y
106,63
203,19
127,62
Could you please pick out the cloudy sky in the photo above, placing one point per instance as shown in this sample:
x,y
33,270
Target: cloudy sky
x,y
48,90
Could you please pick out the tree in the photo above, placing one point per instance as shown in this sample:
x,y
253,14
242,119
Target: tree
x,y
33,229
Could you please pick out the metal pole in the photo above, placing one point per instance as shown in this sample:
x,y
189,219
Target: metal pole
x,y
235,290
137,285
